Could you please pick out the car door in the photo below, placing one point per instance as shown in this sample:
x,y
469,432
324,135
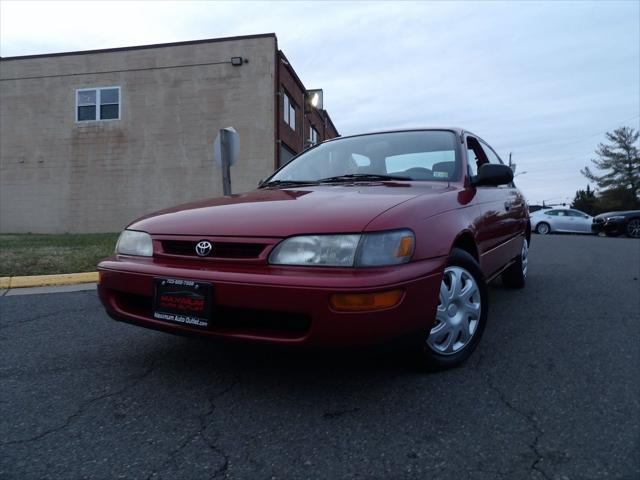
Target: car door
x,y
562,221
514,202
550,217
579,222
494,231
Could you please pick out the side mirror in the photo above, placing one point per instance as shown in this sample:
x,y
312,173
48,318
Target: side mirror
x,y
493,174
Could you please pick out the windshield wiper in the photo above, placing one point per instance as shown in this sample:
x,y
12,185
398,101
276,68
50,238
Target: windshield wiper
x,y
361,176
288,183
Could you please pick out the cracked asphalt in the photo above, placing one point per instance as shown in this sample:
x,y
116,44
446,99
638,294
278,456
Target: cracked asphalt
x,y
551,393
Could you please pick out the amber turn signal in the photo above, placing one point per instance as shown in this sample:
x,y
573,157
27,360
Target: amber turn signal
x,y
359,302
405,249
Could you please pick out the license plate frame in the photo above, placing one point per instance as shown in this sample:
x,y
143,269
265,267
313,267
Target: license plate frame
x,y
183,302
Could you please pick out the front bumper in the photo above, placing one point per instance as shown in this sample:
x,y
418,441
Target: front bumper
x,y
608,226
277,304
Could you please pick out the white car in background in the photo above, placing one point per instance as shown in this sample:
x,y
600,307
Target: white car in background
x,y
566,220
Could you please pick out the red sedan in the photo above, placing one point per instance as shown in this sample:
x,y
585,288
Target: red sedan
x,y
359,240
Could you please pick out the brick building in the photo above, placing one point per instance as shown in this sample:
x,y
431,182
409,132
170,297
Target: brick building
x,y
90,140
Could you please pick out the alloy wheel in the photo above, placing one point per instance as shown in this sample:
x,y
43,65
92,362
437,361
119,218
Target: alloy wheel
x,y
458,312
633,228
543,229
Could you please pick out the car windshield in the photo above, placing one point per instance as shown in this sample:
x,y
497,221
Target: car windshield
x,y
412,155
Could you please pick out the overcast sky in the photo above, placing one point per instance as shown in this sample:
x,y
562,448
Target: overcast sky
x,y
543,80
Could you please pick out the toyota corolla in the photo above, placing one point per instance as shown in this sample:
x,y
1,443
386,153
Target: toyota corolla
x,y
359,240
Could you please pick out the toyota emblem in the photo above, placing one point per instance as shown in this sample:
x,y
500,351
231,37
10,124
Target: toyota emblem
x,y
203,248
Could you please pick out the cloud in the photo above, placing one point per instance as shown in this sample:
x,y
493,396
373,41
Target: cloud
x,y
543,80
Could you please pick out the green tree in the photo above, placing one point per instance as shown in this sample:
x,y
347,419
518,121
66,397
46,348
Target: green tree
x,y
620,162
616,199
586,201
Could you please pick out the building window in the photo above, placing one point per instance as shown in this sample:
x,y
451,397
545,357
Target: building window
x,y
289,112
97,104
313,136
286,155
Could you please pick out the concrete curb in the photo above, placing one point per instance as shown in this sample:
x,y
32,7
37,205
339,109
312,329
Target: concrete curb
x,y
48,280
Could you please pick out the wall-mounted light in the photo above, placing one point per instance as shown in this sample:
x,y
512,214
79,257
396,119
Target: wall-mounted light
x,y
237,61
314,98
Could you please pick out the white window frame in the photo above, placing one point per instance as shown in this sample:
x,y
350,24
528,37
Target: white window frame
x,y
98,91
289,111
313,135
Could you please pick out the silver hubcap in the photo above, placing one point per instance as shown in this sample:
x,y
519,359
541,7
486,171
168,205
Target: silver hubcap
x,y
458,312
525,258
633,228
543,229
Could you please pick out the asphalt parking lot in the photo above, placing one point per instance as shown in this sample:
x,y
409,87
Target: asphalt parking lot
x,y
553,391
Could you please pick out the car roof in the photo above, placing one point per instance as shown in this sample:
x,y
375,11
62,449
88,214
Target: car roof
x,y
562,209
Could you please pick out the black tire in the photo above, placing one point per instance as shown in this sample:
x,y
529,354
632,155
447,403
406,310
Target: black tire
x,y
543,228
428,358
633,228
516,275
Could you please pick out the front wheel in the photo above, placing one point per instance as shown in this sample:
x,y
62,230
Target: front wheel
x,y
633,228
516,275
461,315
543,228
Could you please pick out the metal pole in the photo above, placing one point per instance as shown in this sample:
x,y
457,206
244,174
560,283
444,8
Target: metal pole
x,y
225,148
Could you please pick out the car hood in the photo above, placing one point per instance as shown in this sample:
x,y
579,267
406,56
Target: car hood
x,y
617,214
285,212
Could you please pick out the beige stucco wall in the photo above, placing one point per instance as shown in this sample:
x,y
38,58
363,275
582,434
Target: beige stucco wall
x,y
57,175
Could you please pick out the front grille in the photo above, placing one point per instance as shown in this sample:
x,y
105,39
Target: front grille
x,y
227,319
220,249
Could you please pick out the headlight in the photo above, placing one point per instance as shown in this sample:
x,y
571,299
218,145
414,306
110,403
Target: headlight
x,y
132,242
324,250
359,250
386,248
616,218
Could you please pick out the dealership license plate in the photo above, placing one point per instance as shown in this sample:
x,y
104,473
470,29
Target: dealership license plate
x,y
183,301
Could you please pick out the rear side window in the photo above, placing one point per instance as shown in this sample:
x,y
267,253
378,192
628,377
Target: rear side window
x,y
575,213
440,165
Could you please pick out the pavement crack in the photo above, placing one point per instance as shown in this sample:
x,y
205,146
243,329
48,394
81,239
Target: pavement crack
x,y
530,419
201,432
204,424
84,406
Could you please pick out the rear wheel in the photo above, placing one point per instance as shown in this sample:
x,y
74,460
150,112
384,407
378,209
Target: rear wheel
x,y
516,275
543,228
461,315
633,228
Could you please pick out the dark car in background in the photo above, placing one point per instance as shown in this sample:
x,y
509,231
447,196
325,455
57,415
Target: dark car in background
x,y
618,223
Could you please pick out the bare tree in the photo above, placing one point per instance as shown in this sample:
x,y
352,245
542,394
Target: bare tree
x,y
619,160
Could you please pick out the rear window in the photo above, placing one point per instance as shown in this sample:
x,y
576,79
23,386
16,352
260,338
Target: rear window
x,y
439,165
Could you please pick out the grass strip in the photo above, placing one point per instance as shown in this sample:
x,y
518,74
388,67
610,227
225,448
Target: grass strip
x,y
37,254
